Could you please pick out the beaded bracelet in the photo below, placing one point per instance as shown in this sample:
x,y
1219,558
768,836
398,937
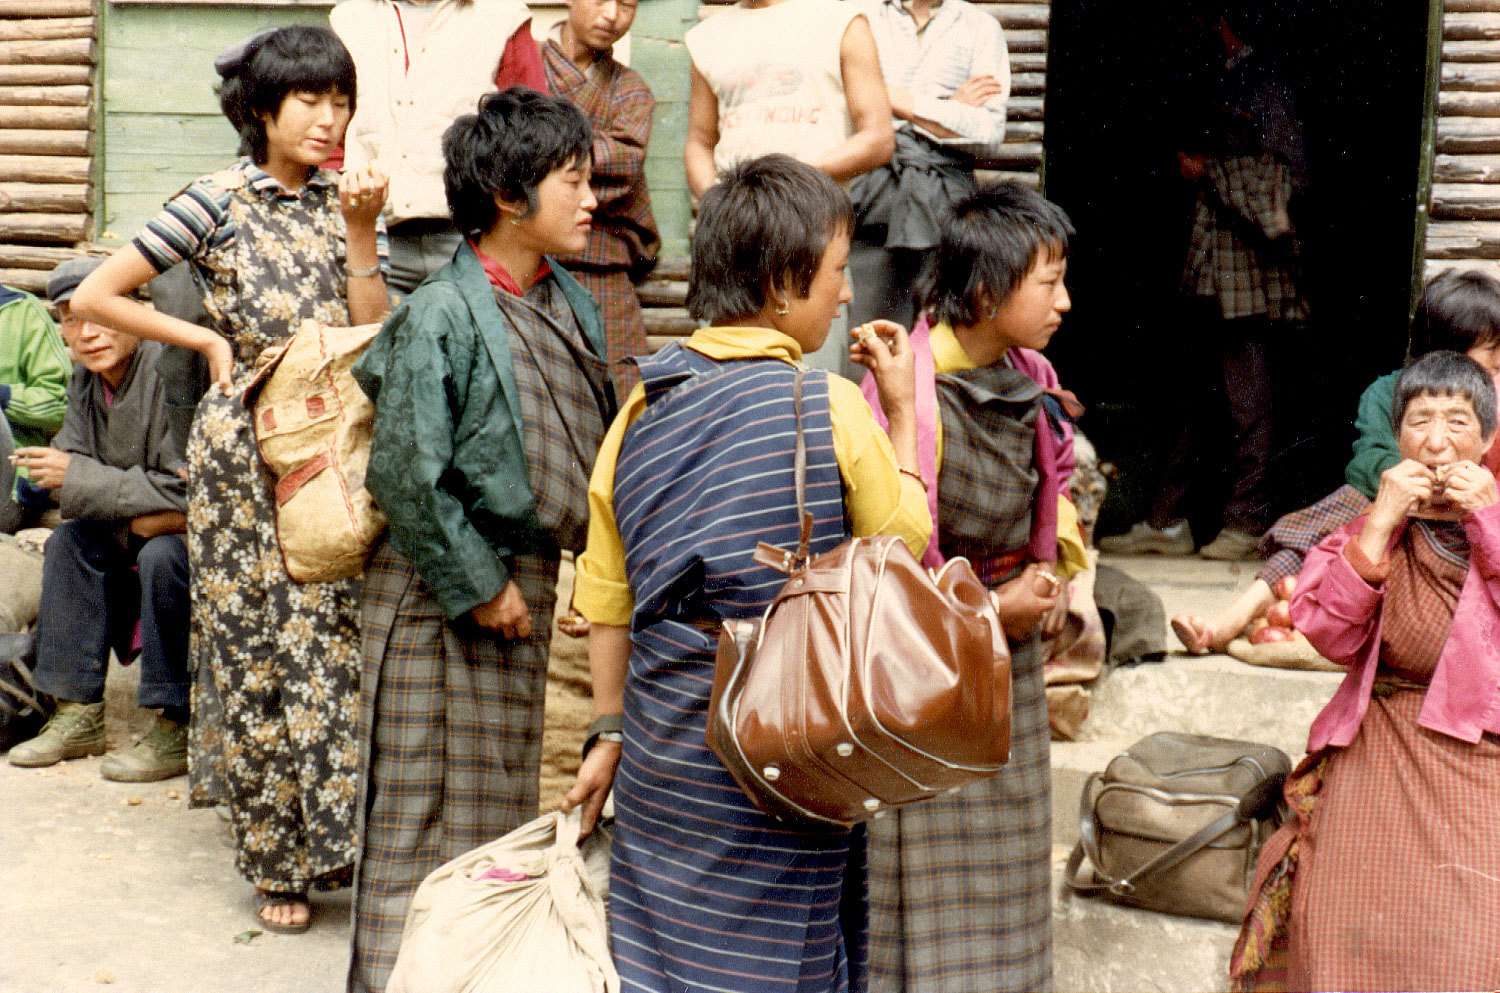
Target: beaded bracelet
x,y
914,474
374,270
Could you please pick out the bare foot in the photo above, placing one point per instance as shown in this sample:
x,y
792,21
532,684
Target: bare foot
x,y
1194,633
1201,635
285,913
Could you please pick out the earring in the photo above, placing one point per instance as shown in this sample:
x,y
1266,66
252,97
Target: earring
x,y
515,221
782,310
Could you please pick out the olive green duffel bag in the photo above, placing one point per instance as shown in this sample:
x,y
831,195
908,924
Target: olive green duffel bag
x,y
1175,823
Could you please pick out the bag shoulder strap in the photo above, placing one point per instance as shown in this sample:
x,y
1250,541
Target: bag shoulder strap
x,y
767,554
1088,844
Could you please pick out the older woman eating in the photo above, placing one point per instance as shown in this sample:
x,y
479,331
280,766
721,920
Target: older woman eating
x,y
1387,876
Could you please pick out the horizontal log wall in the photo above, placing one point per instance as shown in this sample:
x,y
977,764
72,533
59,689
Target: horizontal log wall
x,y
158,138
1026,25
48,50
1464,229
140,118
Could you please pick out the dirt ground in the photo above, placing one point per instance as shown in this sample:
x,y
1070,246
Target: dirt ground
x,y
121,887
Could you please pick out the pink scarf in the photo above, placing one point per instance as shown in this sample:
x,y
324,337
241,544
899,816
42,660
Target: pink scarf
x,y
1054,456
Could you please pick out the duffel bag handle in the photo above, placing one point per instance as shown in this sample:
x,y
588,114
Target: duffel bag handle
x,y
1248,806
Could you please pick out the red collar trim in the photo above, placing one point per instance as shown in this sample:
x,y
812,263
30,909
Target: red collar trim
x,y
500,278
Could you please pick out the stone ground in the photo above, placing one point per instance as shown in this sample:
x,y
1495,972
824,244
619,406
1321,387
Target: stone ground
x,y
122,887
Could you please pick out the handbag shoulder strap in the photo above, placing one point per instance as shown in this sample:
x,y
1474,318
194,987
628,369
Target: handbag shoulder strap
x,y
799,463
1088,844
768,554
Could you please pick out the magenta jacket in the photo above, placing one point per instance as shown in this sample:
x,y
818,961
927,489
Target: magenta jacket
x,y
1340,614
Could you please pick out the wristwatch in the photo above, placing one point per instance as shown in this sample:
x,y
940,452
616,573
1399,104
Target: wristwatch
x,y
610,727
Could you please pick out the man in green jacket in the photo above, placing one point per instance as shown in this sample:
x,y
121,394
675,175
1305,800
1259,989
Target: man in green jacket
x,y
491,397
34,369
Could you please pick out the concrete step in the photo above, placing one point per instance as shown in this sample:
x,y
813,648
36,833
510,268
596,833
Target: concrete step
x,y
1101,947
1212,695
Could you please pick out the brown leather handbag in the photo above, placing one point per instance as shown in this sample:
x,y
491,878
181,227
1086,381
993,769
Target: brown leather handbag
x,y
869,683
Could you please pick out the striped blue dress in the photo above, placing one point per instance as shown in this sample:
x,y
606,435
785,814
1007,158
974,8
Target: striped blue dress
x,y
706,892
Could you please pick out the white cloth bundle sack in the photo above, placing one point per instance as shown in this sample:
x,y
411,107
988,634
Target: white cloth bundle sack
x,y
522,914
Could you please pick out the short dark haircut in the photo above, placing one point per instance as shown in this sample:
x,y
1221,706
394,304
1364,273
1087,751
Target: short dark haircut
x,y
516,139
990,242
1446,374
1459,310
762,229
297,59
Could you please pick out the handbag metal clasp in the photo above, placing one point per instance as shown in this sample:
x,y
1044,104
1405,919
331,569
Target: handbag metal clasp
x,y
775,558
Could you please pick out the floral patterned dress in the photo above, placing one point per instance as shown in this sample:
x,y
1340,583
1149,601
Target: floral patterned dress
x,y
277,662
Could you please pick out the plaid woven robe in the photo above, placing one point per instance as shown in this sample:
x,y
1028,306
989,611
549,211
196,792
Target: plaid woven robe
x,y
450,725
960,885
1414,803
1288,541
1243,248
624,239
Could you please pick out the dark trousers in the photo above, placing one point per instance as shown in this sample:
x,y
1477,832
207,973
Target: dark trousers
x,y
418,249
12,515
1222,453
885,282
91,600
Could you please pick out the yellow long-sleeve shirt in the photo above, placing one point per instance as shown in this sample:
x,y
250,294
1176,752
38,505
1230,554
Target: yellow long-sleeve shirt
x,y
879,499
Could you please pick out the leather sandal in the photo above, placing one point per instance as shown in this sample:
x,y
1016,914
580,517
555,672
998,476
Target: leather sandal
x,y
264,899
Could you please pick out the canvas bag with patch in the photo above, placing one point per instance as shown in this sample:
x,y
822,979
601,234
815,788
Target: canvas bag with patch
x,y
313,426
522,914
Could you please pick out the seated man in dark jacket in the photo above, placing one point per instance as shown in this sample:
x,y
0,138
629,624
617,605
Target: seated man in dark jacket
x,y
119,558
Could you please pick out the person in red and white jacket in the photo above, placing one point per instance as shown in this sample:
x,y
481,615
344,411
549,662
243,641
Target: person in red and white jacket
x,y
422,63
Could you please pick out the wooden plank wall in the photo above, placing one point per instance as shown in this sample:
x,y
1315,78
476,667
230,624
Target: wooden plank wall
x,y
157,138
47,58
1465,208
1026,33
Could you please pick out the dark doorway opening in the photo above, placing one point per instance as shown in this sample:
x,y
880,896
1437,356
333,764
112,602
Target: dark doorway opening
x,y
1119,76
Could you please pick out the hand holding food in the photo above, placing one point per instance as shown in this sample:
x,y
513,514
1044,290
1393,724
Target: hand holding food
x,y
1466,486
362,194
883,348
1405,488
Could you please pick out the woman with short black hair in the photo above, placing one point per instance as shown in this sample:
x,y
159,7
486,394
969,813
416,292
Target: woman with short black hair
x,y
275,241
707,892
491,396
1384,874
960,885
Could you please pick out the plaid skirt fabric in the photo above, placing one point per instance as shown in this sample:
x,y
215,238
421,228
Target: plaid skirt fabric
x,y
960,886
624,326
561,387
1421,592
450,738
1287,542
